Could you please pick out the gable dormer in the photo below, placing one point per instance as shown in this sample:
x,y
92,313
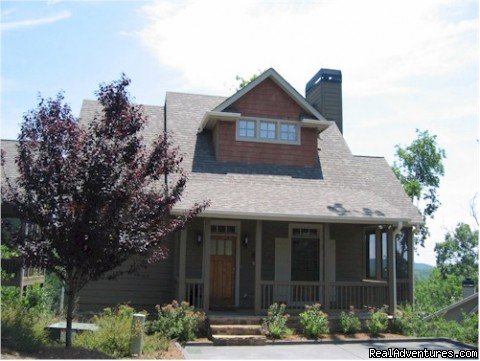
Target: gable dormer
x,y
266,122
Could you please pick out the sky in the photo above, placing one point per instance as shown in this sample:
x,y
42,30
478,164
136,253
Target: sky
x,y
405,65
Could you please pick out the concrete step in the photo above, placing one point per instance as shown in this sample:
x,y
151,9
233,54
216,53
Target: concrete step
x,y
239,340
236,329
232,320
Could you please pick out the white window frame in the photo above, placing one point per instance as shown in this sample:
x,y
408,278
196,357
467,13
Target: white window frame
x,y
278,123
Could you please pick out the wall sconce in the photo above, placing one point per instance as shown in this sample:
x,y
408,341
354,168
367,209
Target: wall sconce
x,y
245,240
199,238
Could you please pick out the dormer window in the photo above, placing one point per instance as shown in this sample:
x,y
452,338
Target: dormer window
x,y
246,128
288,132
268,130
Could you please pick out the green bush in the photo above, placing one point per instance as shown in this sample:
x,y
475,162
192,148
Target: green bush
x,y
378,321
349,322
275,324
314,321
155,345
177,321
24,320
113,335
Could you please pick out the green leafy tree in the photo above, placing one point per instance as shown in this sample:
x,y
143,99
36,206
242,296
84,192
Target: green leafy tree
x,y
242,82
458,254
436,292
419,168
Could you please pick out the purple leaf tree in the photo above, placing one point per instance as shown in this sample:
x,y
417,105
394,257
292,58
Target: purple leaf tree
x,y
95,196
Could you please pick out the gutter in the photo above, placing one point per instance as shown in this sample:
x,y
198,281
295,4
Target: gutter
x,y
295,217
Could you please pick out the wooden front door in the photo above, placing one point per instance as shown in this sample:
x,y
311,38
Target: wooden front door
x,y
222,270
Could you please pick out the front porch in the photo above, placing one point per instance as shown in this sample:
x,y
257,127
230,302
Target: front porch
x,y
247,265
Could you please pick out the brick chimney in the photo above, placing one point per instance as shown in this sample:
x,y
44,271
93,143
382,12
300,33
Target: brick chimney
x,y
324,93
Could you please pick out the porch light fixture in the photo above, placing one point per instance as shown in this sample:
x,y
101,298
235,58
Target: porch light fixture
x,y
199,238
245,240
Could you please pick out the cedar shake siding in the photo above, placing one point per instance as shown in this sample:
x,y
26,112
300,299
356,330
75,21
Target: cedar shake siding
x,y
266,101
228,149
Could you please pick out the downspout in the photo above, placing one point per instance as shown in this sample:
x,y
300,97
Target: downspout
x,y
393,270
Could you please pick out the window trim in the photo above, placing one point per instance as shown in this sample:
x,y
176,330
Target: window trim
x,y
278,123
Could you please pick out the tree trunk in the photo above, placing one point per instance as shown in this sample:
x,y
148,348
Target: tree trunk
x,y
70,305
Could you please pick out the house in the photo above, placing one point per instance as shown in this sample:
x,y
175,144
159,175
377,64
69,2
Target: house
x,y
18,275
295,217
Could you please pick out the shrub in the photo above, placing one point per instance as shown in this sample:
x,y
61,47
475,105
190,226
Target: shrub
x,y
314,321
177,321
113,335
155,345
378,321
349,322
24,320
275,324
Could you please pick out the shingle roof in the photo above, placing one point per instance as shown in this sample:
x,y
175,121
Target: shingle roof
x,y
345,188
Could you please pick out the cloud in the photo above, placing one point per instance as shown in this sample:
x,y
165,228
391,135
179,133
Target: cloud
x,y
384,43
405,65
30,23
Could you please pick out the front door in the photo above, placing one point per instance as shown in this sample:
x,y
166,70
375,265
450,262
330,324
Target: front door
x,y
222,269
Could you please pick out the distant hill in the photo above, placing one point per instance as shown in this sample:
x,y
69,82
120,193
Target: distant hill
x,y
422,270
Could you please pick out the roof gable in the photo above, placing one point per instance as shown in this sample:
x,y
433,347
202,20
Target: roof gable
x,y
282,83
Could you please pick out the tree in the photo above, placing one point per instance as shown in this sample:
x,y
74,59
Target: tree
x,y
436,292
419,167
242,82
95,196
458,254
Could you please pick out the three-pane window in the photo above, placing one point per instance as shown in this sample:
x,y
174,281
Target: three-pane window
x,y
270,131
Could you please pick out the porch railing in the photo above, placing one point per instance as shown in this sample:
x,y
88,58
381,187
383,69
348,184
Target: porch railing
x,y
194,292
295,294
342,295
358,294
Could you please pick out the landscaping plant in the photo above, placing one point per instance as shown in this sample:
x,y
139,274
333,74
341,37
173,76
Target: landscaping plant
x,y
113,334
314,321
378,321
275,324
349,322
177,321
24,320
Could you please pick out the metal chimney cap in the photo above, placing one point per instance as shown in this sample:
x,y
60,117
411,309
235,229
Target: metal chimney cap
x,y
324,75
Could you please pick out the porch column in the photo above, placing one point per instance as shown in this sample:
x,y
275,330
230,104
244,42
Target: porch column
x,y
328,277
392,272
181,271
206,264
411,279
258,267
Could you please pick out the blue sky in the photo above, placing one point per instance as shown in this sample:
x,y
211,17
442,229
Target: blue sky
x,y
405,64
